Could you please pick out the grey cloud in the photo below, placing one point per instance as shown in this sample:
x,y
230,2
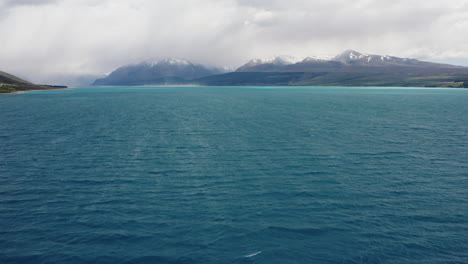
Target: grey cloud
x,y
28,2
94,37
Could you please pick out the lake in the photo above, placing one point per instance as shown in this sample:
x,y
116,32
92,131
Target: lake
x,y
234,175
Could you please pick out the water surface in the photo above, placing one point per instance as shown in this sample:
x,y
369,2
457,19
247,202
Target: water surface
x,y
234,175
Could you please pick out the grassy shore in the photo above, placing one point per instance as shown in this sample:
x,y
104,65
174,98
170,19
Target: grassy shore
x,y
21,88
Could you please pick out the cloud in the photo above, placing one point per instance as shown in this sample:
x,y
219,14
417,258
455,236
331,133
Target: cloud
x,y
44,37
10,3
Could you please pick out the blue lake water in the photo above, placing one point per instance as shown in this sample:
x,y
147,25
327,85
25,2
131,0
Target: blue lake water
x,y
234,175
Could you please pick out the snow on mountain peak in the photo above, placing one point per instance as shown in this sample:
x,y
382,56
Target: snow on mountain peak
x,y
316,59
255,62
354,55
348,57
285,59
175,61
170,61
278,60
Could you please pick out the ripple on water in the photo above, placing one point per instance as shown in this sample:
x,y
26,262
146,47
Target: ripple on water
x,y
209,175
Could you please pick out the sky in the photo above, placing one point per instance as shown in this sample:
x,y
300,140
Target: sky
x,y
43,38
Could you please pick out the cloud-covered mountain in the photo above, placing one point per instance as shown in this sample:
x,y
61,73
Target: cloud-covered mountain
x,y
349,68
70,80
167,71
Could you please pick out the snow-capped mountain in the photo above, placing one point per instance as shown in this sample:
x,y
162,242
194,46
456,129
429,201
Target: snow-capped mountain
x,y
348,68
346,61
270,63
285,60
351,57
313,60
166,71
169,61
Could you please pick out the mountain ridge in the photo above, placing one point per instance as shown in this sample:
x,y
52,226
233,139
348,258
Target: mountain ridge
x,y
344,62
166,71
349,68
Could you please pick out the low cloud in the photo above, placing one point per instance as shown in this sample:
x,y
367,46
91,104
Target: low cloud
x,y
44,37
10,3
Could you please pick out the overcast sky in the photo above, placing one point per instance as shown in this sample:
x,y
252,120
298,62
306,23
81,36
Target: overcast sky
x,y
44,37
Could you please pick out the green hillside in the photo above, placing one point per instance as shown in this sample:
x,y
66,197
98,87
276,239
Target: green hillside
x,y
11,77
379,79
10,84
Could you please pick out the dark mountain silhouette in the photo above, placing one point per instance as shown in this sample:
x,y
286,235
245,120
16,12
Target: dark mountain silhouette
x,y
168,71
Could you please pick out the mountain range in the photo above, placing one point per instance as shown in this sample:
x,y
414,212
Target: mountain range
x,y
348,61
350,68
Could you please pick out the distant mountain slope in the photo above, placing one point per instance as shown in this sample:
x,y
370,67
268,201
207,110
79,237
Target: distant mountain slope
x,y
350,68
382,79
71,79
168,71
351,61
10,83
255,78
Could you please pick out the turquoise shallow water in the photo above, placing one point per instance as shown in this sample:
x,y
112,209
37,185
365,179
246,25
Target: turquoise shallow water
x,y
234,175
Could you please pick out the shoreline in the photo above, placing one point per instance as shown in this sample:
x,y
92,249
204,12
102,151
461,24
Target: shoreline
x,y
22,92
243,86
